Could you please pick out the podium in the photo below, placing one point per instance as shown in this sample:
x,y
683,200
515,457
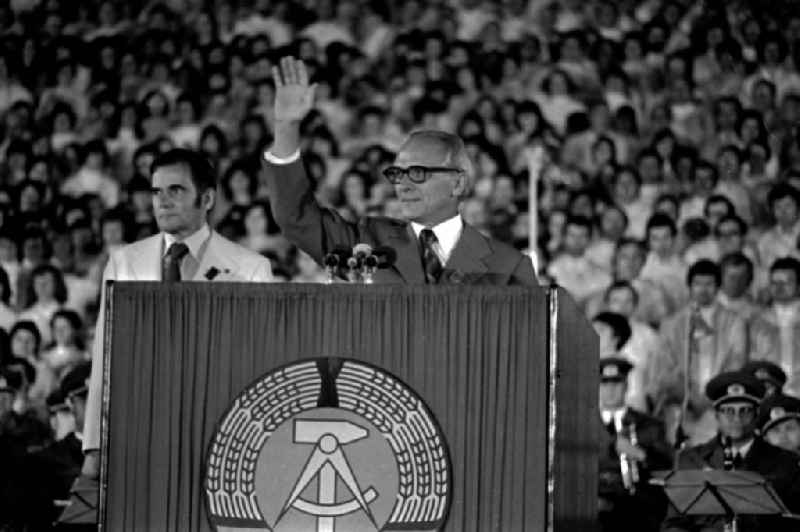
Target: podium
x,y
507,374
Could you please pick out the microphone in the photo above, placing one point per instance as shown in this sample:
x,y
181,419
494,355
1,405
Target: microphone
x,y
362,251
334,260
331,263
330,260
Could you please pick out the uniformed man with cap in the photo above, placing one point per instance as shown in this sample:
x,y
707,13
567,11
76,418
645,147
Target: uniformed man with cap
x,y
770,374
736,397
54,469
633,446
779,422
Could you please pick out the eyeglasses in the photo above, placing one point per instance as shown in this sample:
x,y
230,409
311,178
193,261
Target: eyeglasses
x,y
743,412
417,174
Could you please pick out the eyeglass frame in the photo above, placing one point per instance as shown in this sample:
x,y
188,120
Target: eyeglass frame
x,y
741,412
425,171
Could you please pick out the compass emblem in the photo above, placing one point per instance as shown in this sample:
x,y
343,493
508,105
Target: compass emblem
x,y
328,445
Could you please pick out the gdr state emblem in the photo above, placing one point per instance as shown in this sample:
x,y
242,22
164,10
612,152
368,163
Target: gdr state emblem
x,y
328,445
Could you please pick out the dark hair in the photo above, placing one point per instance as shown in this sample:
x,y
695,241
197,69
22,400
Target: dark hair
x,y
580,221
786,263
60,288
705,165
202,172
75,322
732,148
704,267
27,325
780,191
618,323
623,285
719,198
245,168
661,220
743,228
737,259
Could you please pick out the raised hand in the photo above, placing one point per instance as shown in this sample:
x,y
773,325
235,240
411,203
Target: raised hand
x,y
294,96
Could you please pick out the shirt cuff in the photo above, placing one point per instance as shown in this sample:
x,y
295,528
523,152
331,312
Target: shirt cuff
x,y
270,158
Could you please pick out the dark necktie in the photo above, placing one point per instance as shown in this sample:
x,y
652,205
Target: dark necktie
x,y
171,265
430,260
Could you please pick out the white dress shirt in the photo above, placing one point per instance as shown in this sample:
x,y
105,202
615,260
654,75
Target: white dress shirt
x,y
447,234
196,242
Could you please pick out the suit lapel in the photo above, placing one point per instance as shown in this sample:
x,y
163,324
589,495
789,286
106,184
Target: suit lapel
x,y
409,261
468,254
210,258
146,264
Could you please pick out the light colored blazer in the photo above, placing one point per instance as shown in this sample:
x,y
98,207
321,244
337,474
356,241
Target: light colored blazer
x,y
223,260
729,351
765,344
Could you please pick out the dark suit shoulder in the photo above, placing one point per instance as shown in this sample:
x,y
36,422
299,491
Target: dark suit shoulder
x,y
696,455
642,419
780,457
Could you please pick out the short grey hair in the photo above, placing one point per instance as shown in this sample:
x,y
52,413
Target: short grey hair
x,y
455,152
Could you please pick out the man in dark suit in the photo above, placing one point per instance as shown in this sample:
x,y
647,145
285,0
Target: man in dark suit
x,y
53,470
431,175
779,421
736,396
633,445
770,374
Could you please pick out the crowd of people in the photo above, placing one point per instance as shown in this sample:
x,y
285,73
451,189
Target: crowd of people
x,y
662,138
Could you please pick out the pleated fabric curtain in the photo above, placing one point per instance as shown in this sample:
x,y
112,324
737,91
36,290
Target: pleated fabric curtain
x,y
181,353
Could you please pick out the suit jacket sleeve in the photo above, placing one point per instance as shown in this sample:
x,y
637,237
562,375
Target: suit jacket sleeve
x,y
91,430
301,219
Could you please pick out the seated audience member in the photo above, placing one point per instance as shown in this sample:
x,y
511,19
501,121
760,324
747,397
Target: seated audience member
x,y
664,264
628,261
572,268
26,343
771,376
779,422
731,234
735,397
736,277
712,340
775,332
641,349
53,470
781,240
67,348
47,293
633,443
613,224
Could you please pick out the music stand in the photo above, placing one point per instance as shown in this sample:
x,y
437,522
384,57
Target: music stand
x,y
719,492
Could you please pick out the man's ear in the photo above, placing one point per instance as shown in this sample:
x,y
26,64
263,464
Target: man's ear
x,y
209,199
460,188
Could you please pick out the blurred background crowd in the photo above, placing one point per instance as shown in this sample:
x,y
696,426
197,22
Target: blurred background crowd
x,y
663,135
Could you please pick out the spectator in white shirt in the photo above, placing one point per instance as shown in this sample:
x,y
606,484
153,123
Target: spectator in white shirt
x,y
664,264
781,240
573,269
642,346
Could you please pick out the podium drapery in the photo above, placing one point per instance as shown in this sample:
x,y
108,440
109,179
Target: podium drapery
x,y
180,354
